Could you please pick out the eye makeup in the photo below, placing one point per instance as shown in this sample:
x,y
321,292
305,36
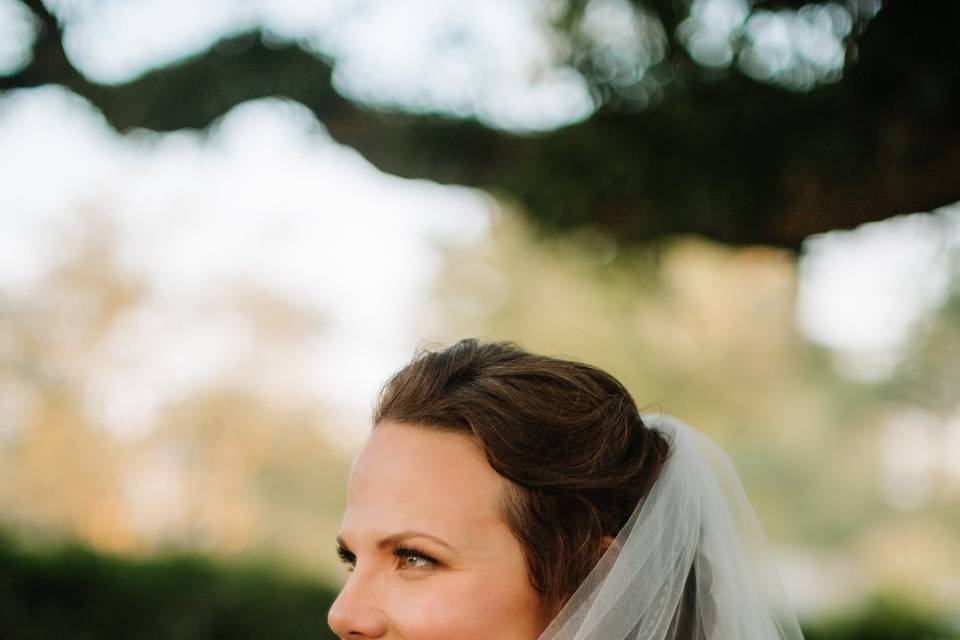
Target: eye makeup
x,y
401,552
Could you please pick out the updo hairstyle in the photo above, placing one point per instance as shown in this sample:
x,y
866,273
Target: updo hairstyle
x,y
567,435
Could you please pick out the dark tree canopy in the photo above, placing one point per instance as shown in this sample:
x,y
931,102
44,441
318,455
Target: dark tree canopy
x,y
678,143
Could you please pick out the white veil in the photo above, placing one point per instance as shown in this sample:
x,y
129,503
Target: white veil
x,y
691,563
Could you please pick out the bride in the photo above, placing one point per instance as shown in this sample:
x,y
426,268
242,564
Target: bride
x,y
505,495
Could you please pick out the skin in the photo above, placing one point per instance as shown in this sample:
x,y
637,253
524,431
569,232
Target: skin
x,y
411,478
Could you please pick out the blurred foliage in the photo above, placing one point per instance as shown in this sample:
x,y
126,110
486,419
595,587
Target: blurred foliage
x,y
887,618
929,375
234,464
75,592
238,464
780,120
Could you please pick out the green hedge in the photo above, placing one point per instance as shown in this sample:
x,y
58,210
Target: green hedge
x,y
76,594
884,618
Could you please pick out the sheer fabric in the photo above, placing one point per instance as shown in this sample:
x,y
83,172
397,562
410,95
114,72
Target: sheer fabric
x,y
691,563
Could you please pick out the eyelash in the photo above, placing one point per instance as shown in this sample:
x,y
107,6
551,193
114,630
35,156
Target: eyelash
x,y
400,552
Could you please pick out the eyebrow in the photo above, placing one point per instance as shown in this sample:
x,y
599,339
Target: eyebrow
x,y
394,539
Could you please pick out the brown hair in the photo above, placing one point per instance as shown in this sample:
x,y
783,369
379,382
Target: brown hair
x,y
566,434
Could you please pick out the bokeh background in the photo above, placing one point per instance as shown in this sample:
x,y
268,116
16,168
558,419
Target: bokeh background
x,y
223,224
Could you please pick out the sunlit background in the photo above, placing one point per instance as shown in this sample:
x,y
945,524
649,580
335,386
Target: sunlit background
x,y
194,324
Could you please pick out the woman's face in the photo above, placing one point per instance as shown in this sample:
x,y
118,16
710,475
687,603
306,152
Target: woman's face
x,y
467,581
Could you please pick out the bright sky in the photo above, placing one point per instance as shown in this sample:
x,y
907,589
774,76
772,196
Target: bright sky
x,y
269,199
492,59
862,292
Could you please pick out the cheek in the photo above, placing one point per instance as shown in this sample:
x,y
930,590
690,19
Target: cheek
x,y
466,608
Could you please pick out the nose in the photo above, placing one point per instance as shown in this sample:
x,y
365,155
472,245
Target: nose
x,y
357,612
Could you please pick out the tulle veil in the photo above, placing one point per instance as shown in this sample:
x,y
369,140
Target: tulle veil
x,y
691,563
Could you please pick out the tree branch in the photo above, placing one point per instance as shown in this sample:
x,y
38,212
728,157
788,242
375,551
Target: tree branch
x,y
734,160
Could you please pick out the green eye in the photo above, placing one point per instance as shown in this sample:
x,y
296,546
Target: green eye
x,y
406,553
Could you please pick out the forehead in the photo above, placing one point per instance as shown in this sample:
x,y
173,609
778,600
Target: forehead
x,y
412,477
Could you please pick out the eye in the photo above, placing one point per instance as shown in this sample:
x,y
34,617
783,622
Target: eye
x,y
420,560
346,557
406,553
